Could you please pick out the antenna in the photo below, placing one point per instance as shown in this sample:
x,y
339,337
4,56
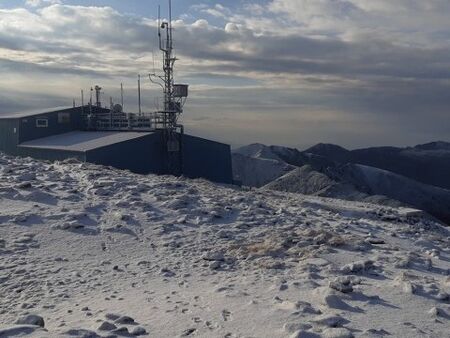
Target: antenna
x,y
121,94
97,96
153,59
139,94
170,22
90,103
159,27
82,102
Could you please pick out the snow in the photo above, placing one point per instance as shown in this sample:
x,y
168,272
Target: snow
x,y
82,140
257,172
98,252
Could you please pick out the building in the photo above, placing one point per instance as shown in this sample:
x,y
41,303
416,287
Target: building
x,y
64,133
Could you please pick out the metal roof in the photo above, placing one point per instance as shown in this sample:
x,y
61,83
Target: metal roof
x,y
82,140
33,112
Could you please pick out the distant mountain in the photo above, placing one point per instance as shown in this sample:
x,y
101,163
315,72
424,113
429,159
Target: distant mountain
x,y
428,163
439,145
366,184
360,175
256,165
331,151
256,172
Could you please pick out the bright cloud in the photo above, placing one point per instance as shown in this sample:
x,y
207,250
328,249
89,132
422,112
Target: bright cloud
x,y
38,3
329,67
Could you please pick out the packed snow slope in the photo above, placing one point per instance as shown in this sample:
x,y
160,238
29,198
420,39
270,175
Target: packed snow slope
x,y
328,175
87,251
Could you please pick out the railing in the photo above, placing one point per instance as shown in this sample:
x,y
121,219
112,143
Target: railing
x,y
116,121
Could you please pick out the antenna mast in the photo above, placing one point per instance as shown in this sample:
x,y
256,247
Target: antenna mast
x,y
139,95
175,95
121,94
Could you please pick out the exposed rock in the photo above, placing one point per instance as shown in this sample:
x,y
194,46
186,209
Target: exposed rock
x,y
330,320
337,333
31,320
125,320
107,326
138,331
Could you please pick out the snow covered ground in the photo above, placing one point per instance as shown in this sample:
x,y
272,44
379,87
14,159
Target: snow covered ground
x,y
87,251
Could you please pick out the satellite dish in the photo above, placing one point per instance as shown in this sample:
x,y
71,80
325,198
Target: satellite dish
x,y
118,108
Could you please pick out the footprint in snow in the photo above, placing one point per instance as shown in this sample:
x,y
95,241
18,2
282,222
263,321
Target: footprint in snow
x,y
226,315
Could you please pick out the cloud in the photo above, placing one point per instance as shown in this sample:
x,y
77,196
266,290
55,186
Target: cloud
x,y
407,22
39,3
330,68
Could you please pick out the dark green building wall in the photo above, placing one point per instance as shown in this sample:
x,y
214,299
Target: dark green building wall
x,y
201,158
206,159
9,136
143,155
28,130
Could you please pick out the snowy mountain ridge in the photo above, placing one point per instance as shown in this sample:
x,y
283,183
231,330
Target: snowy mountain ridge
x,y
88,251
341,177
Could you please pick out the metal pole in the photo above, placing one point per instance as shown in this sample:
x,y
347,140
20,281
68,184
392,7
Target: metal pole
x,y
121,95
139,94
82,102
90,102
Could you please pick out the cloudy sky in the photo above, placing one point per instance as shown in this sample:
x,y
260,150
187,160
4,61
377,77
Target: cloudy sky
x,y
289,72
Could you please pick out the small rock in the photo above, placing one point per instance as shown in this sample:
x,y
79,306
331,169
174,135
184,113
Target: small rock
x,y
330,321
304,334
443,296
188,332
374,241
283,287
373,333
31,320
121,331
125,320
166,272
295,327
81,333
138,331
24,185
215,265
409,288
112,316
214,256
337,333
342,284
358,267
436,312
107,326
225,234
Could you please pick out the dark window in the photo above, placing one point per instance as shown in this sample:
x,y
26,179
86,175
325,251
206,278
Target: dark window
x,y
42,123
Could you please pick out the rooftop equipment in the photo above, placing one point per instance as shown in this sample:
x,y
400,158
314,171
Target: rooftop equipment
x,y
165,119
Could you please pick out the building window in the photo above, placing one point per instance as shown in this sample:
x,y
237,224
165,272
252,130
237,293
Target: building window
x,y
63,118
41,123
